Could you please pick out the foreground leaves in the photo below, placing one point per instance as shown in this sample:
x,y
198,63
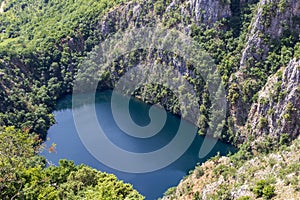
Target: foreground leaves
x,y
23,174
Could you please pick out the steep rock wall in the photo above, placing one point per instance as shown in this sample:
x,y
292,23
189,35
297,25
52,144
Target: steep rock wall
x,y
277,111
273,17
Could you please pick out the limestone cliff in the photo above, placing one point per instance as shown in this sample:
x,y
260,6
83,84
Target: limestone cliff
x,y
277,111
145,13
272,19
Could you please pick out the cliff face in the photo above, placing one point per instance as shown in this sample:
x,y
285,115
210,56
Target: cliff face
x,y
52,62
277,111
209,11
272,19
145,13
244,57
265,114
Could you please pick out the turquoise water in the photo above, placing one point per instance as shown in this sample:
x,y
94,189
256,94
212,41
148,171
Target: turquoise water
x,y
151,184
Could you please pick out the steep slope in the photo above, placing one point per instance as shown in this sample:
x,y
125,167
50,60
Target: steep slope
x,y
273,122
275,117
271,176
264,116
43,60
272,20
271,42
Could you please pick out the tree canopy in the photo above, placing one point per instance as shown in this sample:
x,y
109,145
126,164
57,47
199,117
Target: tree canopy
x,y
24,175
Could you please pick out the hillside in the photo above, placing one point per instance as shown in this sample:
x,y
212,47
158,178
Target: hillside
x,y
23,174
256,49
266,176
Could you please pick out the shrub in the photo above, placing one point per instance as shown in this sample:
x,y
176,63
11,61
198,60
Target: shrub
x,y
263,122
170,191
244,198
199,172
264,189
284,139
197,196
268,192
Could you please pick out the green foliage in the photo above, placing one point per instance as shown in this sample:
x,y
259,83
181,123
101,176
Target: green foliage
x,y
244,153
297,50
223,193
284,139
264,189
198,172
40,43
244,198
16,152
233,93
170,191
39,24
23,174
263,122
49,40
159,7
282,5
292,168
225,171
197,196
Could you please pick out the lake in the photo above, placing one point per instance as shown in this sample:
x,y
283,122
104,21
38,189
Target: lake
x,y
150,184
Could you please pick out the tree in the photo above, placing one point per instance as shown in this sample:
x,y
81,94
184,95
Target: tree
x,y
16,151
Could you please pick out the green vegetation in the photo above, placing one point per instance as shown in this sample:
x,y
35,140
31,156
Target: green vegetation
x,y
170,191
264,189
263,176
244,198
198,172
225,171
223,193
35,26
23,174
43,43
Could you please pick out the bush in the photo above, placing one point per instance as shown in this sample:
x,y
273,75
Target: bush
x,y
199,172
170,191
244,198
263,122
268,192
284,139
264,189
197,196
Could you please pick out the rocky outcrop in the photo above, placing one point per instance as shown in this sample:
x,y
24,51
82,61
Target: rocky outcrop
x,y
277,111
222,178
272,18
146,13
209,11
2,5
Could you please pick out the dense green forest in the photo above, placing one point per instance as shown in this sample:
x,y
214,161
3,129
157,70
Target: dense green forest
x,y
37,67
43,44
23,174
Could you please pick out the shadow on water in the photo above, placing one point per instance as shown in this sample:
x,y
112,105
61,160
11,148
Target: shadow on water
x,y
152,184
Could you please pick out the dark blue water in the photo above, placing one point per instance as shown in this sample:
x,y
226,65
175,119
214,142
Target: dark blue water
x,y
152,184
